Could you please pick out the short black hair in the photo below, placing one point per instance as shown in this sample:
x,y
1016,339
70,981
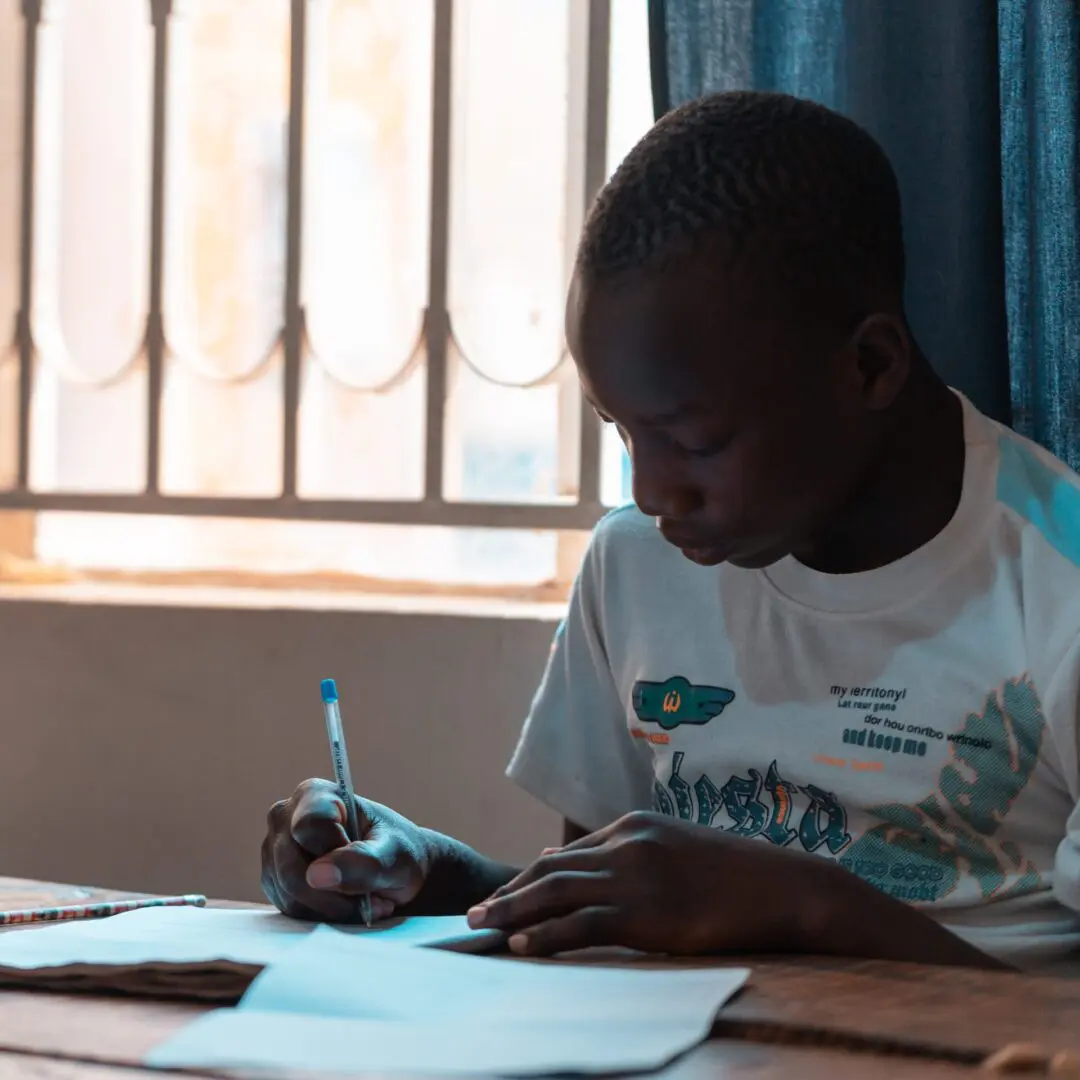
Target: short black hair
x,y
804,194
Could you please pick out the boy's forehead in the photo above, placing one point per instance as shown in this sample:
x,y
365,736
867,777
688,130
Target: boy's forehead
x,y
674,339
677,308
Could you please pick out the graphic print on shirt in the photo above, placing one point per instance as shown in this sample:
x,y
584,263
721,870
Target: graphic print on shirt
x,y
872,706
678,701
758,805
921,852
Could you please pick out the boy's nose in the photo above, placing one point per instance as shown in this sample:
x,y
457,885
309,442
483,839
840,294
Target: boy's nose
x,y
664,497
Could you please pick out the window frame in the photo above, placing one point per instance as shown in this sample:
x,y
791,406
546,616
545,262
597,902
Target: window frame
x,y
579,505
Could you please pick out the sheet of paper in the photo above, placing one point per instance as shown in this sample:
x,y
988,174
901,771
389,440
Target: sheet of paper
x,y
334,976
337,1002
189,935
245,1039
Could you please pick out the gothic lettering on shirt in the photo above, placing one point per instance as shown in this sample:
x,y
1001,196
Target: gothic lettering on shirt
x,y
757,805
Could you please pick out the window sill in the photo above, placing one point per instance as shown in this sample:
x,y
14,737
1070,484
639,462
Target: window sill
x,y
410,599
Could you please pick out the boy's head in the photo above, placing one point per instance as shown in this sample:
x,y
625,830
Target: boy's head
x,y
737,311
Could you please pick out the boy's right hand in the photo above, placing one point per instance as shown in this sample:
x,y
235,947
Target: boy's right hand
x,y
311,871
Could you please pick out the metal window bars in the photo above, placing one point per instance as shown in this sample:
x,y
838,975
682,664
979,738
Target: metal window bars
x,y
589,108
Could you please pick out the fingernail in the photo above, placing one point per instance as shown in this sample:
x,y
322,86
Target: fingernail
x,y
323,876
549,851
477,916
519,943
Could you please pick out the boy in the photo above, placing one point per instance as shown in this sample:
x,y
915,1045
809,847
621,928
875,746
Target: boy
x,y
818,691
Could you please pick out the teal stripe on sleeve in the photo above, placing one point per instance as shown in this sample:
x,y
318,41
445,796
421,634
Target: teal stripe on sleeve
x,y
1045,498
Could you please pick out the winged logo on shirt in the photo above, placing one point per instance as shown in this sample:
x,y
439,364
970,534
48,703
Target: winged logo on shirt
x,y
678,701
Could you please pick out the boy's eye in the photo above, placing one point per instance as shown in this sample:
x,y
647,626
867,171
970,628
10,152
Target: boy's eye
x,y
611,423
707,449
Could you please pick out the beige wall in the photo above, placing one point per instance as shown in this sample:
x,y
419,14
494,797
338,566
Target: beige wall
x,y
143,743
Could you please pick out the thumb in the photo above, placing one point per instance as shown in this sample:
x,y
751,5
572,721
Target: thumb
x,y
381,862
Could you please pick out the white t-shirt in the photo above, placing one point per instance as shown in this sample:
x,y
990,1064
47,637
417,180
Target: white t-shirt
x,y
916,723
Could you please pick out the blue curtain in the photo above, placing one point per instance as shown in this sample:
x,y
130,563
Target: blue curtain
x,y
977,103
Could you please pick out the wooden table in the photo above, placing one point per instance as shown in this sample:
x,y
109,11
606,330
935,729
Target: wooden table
x,y
809,1018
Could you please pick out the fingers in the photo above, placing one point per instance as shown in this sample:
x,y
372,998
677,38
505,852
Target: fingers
x,y
357,870
628,825
312,871
552,895
381,908
285,866
581,929
554,860
269,878
590,840
317,822
391,860
583,843
309,824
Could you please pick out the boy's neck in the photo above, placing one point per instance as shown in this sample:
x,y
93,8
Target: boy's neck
x,y
913,489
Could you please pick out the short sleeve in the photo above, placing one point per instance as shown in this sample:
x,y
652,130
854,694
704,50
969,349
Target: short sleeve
x,y
1067,864
575,752
1063,714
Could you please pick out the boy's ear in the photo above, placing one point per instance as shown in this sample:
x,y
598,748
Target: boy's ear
x,y
883,353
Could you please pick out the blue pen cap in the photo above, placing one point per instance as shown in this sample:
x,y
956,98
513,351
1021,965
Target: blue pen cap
x,y
329,690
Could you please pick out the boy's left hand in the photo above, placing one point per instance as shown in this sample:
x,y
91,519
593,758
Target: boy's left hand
x,y
657,884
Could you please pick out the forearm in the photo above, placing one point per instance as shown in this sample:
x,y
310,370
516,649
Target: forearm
x,y
846,916
457,878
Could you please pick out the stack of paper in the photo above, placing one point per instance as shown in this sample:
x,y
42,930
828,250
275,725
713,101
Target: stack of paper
x,y
351,1006
206,954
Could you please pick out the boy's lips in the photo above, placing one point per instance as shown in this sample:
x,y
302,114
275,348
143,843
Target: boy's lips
x,y
705,556
705,550
699,549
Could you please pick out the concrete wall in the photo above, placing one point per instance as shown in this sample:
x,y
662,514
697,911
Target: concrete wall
x,y
143,742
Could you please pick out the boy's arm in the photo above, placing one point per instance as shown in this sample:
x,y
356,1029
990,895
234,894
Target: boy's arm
x,y
710,893
846,916
460,877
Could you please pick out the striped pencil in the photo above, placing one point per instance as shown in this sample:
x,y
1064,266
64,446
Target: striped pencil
x,y
96,911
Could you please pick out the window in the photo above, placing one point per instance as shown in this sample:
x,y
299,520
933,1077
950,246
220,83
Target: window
x,y
286,279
